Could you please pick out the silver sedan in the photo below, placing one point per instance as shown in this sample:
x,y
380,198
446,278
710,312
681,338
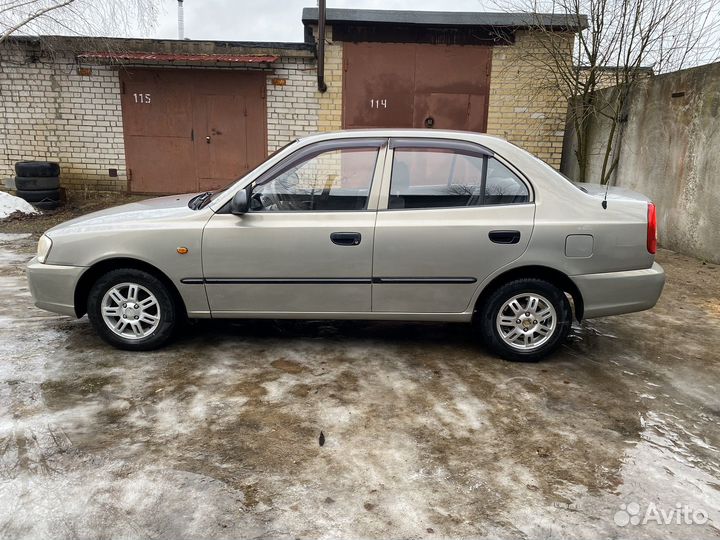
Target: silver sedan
x,y
420,225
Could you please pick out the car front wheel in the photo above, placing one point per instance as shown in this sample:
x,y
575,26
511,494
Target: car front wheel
x,y
525,319
132,310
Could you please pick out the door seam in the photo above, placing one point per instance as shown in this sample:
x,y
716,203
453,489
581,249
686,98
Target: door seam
x,y
377,213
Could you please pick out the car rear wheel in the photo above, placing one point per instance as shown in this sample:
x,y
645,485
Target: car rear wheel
x,y
132,310
525,320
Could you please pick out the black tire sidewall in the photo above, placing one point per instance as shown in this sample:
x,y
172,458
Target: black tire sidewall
x,y
33,183
37,168
39,195
168,310
488,313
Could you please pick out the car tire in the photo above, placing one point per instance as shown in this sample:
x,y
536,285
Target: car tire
x,y
33,183
37,168
39,195
525,320
144,318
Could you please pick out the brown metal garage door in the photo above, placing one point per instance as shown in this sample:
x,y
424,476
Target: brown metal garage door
x,y
416,85
191,130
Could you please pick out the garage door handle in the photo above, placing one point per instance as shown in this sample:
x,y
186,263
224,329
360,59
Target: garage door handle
x,y
346,238
504,237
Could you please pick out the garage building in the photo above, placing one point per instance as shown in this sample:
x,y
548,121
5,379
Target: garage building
x,y
167,116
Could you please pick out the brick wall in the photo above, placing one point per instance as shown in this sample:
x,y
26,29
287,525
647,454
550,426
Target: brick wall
x,y
524,107
299,108
49,112
293,108
331,101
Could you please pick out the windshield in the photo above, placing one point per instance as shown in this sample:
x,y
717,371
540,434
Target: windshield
x,y
212,195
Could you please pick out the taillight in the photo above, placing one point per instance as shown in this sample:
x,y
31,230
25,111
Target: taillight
x,y
652,229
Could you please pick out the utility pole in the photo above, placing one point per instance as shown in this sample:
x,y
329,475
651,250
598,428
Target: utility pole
x,y
181,20
321,47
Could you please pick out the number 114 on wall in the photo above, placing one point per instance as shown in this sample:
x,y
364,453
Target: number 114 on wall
x,y
378,103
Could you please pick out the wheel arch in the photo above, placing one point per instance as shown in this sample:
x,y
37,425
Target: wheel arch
x,y
551,275
98,269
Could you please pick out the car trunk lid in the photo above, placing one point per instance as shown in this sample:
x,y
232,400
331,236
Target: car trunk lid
x,y
613,192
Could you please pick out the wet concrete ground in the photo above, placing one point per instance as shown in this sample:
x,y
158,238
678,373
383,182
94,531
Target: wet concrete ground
x,y
426,435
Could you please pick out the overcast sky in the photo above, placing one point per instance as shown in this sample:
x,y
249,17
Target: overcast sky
x,y
275,20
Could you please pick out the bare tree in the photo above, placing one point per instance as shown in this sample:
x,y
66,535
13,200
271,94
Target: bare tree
x,y
76,17
621,43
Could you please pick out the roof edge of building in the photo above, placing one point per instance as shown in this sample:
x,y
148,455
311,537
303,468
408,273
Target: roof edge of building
x,y
447,18
159,46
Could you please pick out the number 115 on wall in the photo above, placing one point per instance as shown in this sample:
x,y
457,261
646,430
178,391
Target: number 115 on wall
x,y
142,98
378,103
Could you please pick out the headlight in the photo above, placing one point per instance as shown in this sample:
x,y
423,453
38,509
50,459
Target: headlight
x,y
44,245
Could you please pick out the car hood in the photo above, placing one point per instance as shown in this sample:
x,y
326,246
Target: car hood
x,y
130,215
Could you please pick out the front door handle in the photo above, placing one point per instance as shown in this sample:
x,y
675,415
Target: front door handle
x,y
207,139
504,237
346,238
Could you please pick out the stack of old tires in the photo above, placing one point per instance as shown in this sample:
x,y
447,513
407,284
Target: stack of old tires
x,y
38,182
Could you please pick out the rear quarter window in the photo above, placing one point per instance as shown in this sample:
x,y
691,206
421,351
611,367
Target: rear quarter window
x,y
502,186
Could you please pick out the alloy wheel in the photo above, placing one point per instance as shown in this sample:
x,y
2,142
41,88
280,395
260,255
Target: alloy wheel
x,y
526,321
130,310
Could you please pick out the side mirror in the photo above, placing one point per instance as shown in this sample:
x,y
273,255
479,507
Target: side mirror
x,y
240,203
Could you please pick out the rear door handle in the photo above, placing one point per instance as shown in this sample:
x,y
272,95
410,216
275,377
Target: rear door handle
x,y
346,238
504,237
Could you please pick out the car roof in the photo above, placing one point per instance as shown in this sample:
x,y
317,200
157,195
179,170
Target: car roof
x,y
402,132
491,142
495,144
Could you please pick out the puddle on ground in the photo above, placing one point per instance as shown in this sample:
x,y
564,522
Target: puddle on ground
x,y
6,238
217,434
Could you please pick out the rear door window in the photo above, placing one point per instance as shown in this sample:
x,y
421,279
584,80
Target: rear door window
x,y
446,178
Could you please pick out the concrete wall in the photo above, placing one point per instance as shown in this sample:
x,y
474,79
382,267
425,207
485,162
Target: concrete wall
x,y
670,150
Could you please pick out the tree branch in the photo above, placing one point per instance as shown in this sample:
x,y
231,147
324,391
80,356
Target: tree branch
x,y
33,16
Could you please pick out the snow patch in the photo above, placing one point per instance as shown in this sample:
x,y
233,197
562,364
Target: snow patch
x,y
10,203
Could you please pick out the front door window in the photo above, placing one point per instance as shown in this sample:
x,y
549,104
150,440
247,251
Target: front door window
x,y
333,180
